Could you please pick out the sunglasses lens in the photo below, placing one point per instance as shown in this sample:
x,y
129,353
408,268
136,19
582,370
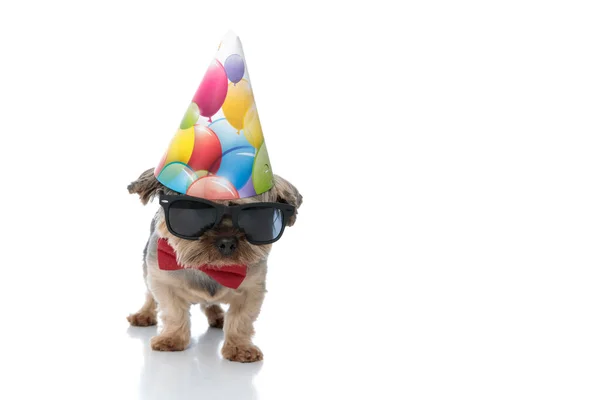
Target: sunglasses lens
x,y
190,218
261,224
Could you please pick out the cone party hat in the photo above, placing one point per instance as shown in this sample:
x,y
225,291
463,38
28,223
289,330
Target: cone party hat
x,y
218,152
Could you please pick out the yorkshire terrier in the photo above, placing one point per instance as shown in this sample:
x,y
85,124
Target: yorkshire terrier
x,y
210,253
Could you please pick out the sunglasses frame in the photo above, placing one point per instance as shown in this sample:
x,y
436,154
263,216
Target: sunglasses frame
x,y
166,201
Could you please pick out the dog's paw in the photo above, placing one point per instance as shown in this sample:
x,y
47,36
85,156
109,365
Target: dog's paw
x,y
142,319
215,316
242,353
216,322
168,343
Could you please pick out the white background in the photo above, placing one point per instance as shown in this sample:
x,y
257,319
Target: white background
x,y
448,157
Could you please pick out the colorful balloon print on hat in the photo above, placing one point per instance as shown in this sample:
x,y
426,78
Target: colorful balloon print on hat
x,y
207,151
214,188
212,90
228,135
238,101
227,159
177,176
247,190
262,176
252,128
181,146
236,165
234,67
191,116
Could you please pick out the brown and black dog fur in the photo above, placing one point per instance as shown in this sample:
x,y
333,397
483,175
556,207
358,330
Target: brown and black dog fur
x,y
173,292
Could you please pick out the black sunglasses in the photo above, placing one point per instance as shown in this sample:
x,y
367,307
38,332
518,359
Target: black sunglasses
x,y
189,217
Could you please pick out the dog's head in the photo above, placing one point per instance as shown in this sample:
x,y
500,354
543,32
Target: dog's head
x,y
223,244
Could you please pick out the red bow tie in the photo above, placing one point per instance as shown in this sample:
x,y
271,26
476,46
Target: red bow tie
x,y
227,275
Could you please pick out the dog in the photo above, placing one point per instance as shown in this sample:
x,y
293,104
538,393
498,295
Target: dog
x,y
173,292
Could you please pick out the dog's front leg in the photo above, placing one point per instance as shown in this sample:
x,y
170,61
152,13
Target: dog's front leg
x,y
175,314
239,327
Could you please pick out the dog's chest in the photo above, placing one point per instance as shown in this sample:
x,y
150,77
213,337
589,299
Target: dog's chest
x,y
199,281
195,285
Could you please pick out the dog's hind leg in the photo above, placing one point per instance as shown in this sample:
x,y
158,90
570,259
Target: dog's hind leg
x,y
146,316
214,314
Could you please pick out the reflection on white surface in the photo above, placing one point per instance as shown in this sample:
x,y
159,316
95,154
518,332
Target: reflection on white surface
x,y
199,372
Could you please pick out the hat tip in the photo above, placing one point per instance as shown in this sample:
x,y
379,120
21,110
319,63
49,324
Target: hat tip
x,y
230,35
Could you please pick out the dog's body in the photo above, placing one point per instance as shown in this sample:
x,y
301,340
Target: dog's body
x,y
173,292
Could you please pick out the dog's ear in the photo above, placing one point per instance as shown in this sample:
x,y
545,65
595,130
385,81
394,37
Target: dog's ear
x,y
287,193
146,186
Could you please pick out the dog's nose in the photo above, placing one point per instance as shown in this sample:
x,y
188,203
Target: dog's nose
x,y
226,245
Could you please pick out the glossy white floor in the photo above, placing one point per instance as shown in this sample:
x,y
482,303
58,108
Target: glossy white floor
x,y
199,371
